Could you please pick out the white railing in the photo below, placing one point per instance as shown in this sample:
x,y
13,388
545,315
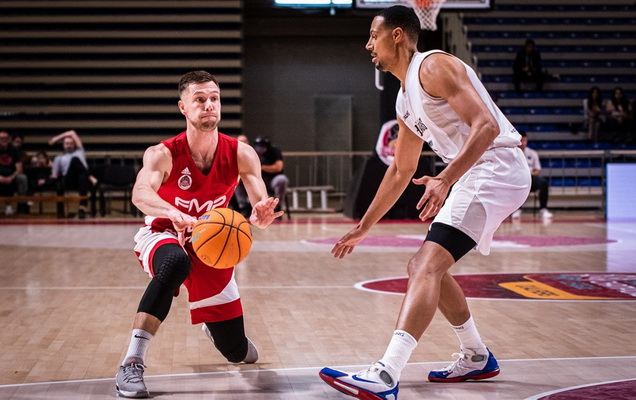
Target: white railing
x,y
578,173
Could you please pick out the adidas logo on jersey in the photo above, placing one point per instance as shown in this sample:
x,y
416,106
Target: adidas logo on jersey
x,y
185,171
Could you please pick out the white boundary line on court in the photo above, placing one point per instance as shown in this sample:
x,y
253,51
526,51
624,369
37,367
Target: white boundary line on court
x,y
358,286
313,368
308,287
567,389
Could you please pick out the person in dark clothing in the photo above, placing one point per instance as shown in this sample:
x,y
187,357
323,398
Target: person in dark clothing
x,y
10,169
594,109
527,67
39,173
619,124
272,168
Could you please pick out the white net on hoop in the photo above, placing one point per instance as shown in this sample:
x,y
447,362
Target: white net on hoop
x,y
427,11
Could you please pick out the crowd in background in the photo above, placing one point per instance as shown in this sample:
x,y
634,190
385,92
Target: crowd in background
x,y
24,174
609,120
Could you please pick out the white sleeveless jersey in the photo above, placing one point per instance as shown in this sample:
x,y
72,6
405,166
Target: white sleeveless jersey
x,y
433,119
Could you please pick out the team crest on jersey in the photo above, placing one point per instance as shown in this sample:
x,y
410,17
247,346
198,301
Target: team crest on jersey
x,y
420,127
185,182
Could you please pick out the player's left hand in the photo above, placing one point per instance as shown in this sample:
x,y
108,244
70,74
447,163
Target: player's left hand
x,y
263,213
434,195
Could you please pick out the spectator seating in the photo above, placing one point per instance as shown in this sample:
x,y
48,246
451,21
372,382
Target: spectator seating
x,y
110,69
582,45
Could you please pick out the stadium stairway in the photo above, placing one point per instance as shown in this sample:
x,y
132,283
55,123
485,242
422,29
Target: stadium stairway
x,y
110,69
582,44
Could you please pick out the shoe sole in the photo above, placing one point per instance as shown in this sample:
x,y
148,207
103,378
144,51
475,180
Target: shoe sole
x,y
348,389
476,377
132,395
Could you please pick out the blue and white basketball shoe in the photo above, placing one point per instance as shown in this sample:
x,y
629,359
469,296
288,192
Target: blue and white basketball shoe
x,y
469,365
374,383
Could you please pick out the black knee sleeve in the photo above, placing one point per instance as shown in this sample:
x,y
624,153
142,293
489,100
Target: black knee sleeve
x,y
171,266
229,338
452,239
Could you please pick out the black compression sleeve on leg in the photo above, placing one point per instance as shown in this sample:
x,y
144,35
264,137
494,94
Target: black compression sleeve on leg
x,y
452,239
171,266
229,338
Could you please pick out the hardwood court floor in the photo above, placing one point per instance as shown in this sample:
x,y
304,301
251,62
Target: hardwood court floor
x,y
69,292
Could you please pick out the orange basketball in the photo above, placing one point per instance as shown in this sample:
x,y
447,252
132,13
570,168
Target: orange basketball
x,y
221,238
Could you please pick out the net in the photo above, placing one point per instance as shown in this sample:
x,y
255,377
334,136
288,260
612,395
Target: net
x,y
427,11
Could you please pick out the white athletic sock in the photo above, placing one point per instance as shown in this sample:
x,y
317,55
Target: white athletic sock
x,y
469,337
139,342
398,353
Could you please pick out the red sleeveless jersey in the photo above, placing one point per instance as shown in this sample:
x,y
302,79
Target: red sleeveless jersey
x,y
188,189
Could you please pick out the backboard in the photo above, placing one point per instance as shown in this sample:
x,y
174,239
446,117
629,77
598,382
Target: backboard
x,y
456,5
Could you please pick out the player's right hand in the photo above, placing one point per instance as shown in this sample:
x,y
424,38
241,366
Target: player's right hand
x,y
434,195
346,244
181,222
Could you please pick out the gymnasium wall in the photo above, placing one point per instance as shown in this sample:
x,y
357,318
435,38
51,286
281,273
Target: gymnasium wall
x,y
293,56
290,60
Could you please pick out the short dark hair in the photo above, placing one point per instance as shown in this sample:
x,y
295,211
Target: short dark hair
x,y
402,17
523,133
17,135
199,76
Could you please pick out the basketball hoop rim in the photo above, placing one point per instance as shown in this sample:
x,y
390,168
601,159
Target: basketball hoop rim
x,y
425,3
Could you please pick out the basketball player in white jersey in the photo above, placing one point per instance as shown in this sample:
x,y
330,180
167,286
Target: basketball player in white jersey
x,y
443,103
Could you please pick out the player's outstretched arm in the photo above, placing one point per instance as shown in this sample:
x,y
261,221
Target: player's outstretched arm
x,y
396,179
263,206
157,163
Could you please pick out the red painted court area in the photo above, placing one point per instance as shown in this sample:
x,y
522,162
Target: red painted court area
x,y
559,286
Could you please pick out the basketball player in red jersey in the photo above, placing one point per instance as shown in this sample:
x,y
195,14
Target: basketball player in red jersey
x,y
181,179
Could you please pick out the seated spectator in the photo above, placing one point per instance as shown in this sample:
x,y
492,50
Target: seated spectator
x,y
272,169
70,169
527,67
17,140
619,117
39,173
10,168
538,182
240,201
594,110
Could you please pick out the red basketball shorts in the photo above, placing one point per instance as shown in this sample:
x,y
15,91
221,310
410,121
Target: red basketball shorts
x,y
212,293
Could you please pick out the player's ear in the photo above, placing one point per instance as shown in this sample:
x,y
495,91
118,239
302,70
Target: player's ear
x,y
397,34
181,106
